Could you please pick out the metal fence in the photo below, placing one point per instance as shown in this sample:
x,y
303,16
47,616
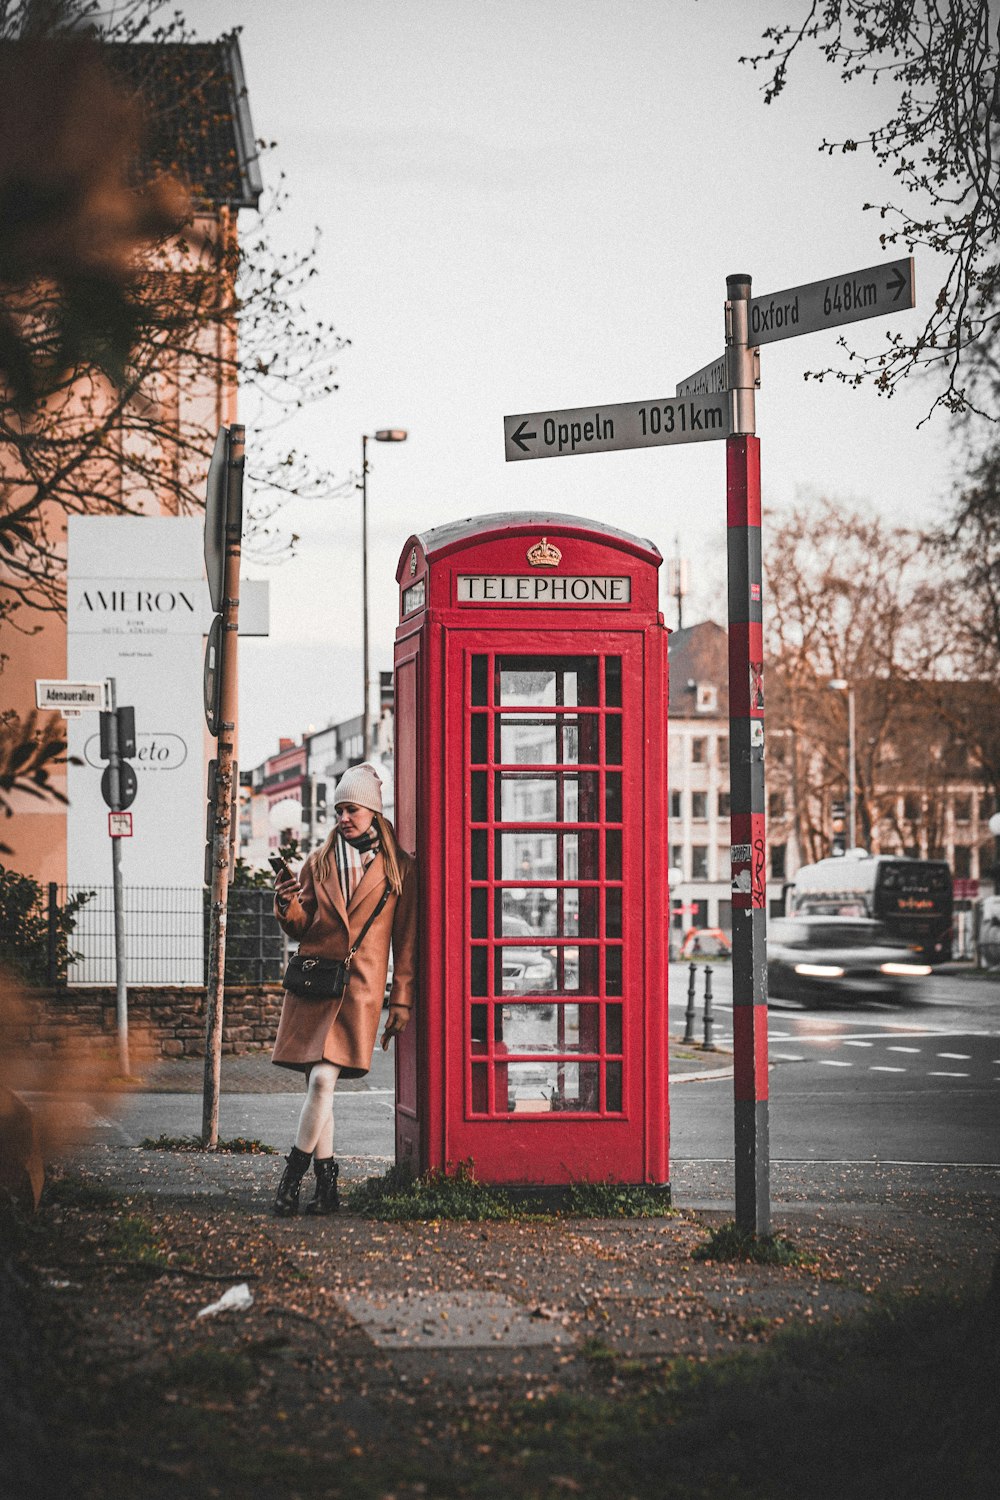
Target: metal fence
x,y
166,936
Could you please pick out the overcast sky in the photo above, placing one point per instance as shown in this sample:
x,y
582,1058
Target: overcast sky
x,y
534,204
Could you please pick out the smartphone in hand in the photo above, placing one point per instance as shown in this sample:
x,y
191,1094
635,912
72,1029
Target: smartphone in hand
x,y
279,867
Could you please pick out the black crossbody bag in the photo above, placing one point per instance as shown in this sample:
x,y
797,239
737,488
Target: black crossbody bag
x,y
313,978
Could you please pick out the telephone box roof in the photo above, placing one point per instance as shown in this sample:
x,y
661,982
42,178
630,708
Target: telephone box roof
x,y
441,539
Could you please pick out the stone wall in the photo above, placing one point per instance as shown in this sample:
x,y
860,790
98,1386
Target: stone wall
x,y
162,1022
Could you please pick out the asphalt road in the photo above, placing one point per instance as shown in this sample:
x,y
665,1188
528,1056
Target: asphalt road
x,y
862,1082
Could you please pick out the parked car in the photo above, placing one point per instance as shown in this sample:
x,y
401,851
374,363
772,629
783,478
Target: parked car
x,y
819,960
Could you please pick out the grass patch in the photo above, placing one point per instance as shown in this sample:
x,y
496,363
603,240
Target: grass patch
x,y
398,1195
239,1145
131,1239
729,1242
615,1200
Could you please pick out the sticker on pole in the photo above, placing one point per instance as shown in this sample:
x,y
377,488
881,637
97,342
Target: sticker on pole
x,y
608,429
120,825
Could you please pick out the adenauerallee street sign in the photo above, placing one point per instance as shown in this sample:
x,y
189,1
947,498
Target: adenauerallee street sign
x,y
886,288
606,429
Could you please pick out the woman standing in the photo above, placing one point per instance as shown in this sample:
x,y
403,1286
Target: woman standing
x,y
358,889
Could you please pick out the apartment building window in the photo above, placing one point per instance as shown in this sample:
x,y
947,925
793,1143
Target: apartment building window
x,y
699,806
675,804
699,751
986,808
699,861
723,746
779,854
911,807
963,809
677,858
725,805
776,805
962,863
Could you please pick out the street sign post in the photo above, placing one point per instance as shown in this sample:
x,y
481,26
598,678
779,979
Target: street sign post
x,y
71,697
719,401
607,429
847,298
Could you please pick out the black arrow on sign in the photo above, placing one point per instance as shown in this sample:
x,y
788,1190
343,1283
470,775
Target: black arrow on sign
x,y
897,283
516,437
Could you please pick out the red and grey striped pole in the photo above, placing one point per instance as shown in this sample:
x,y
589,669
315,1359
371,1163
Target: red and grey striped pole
x,y
746,761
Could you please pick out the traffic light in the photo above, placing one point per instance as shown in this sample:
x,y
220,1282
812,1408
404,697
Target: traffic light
x,y
838,819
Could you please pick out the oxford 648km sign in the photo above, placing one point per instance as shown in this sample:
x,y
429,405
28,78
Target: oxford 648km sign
x,y
630,424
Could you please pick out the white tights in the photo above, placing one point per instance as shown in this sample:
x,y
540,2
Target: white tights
x,y
316,1120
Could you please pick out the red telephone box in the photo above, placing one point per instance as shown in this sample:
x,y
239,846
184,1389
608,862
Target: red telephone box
x,y
531,775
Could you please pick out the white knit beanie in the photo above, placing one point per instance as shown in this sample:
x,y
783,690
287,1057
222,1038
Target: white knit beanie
x,y
360,785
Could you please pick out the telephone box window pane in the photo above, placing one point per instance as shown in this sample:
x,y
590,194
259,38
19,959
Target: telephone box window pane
x,y
479,802
480,681
613,912
613,1088
537,741
522,971
478,739
479,903
580,970
548,1087
528,856
563,797
613,971
480,1083
613,1029
550,1028
613,681
477,962
563,911
613,797
613,854
477,1028
479,851
548,682
613,739
568,970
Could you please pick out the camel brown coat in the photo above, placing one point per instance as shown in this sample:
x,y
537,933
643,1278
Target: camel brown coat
x,y
344,1031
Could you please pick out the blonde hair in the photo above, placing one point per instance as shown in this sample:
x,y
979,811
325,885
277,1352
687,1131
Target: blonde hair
x,y
322,859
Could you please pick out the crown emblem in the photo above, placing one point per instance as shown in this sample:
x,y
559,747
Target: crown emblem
x,y
544,555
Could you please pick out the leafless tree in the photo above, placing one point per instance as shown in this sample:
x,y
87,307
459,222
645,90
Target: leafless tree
x,y
935,62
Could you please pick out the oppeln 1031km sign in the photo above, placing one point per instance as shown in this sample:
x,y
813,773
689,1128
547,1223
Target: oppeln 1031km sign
x,y
607,429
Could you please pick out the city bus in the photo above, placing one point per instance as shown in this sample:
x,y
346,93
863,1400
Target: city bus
x,y
912,898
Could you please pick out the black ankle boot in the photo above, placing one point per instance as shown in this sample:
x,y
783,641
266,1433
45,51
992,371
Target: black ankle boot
x,y
327,1196
287,1200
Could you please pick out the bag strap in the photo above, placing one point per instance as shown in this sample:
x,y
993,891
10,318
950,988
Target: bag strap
x,y
361,935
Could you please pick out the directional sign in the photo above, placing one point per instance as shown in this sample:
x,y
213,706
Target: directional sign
x,y
707,381
870,293
71,697
605,429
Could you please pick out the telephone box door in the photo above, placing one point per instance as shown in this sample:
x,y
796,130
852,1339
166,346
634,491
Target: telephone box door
x,y
545,911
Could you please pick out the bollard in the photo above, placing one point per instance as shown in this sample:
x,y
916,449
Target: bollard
x,y
708,1045
689,1014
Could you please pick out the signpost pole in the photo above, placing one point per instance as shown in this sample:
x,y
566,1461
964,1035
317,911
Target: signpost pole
x,y
121,987
746,730
225,790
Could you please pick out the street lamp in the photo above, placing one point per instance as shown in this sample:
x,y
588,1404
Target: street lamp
x,y
841,685
384,435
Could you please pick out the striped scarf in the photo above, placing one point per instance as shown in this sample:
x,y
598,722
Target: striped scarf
x,y
352,859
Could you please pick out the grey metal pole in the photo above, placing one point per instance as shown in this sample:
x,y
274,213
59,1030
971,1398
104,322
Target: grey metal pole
x,y
746,771
121,985
365,723
851,769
